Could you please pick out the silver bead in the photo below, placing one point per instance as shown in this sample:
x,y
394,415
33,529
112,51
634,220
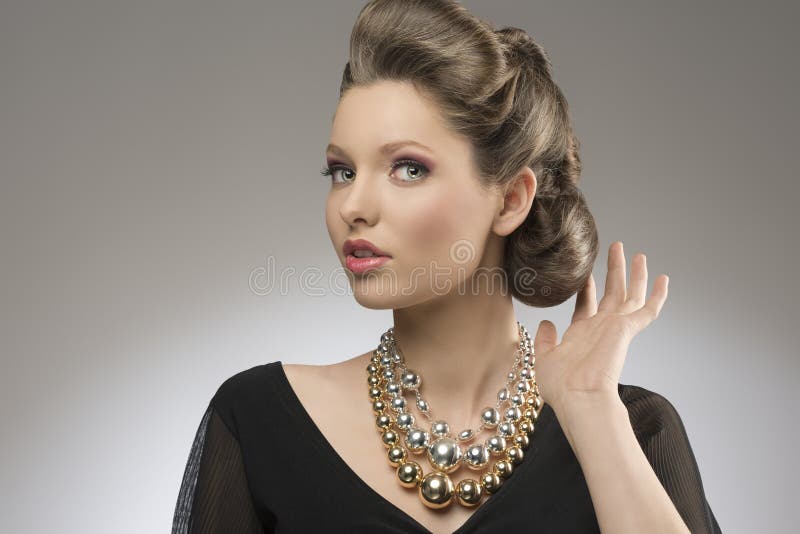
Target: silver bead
x,y
506,429
496,444
444,454
410,380
523,386
394,388
466,435
417,440
490,417
405,420
422,405
513,414
386,360
476,457
517,400
526,374
440,428
398,404
502,395
388,374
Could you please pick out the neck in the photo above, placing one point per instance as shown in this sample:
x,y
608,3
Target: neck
x,y
463,348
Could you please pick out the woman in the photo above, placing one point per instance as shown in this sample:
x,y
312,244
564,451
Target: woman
x,y
454,173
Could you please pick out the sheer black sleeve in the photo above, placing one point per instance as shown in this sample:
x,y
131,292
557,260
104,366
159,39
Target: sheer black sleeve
x,y
214,496
662,436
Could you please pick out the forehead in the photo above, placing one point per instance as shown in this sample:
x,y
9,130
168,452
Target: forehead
x,y
373,115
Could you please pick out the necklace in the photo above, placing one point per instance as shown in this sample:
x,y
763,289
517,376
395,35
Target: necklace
x,y
519,401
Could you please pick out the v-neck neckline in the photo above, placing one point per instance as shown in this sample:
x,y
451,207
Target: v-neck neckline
x,y
294,402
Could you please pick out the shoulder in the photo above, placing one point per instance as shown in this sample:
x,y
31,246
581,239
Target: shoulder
x,y
247,392
245,383
652,415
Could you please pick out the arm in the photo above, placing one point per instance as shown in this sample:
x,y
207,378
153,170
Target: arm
x,y
638,464
214,495
626,493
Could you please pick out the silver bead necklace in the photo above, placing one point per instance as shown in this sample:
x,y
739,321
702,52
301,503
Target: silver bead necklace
x,y
519,402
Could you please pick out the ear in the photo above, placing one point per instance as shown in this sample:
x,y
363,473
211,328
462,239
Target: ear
x,y
516,202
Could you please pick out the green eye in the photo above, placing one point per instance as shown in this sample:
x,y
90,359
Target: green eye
x,y
417,169
331,171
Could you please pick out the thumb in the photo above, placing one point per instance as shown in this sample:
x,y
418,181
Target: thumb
x,y
546,337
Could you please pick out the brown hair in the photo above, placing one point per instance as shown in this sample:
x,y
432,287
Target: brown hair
x,y
496,88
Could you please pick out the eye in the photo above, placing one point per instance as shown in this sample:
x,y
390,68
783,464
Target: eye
x,y
333,169
415,170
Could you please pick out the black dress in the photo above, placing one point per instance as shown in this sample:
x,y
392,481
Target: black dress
x,y
259,463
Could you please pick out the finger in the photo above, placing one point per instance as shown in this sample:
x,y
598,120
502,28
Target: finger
x,y
615,279
649,312
586,302
638,286
546,337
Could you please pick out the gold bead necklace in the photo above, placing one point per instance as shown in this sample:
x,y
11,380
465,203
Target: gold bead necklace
x,y
519,401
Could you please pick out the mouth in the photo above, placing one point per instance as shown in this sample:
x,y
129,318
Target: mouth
x,y
361,265
362,256
361,248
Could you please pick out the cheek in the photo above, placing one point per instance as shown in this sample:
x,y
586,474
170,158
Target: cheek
x,y
334,223
432,225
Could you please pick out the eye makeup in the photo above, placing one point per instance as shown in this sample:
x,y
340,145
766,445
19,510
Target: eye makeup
x,y
417,163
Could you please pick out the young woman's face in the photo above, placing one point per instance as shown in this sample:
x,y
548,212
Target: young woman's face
x,y
422,206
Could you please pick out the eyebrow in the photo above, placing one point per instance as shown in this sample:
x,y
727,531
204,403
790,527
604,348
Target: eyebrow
x,y
386,149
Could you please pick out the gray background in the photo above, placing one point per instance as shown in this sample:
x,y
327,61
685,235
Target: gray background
x,y
154,154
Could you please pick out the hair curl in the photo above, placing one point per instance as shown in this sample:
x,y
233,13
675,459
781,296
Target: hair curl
x,y
496,88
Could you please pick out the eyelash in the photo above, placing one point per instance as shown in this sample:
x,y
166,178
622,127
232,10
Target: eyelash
x,y
328,171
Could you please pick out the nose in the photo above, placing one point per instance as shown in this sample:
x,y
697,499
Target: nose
x,y
361,201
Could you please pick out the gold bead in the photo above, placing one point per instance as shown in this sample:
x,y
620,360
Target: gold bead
x,y
522,440
525,427
515,455
528,414
409,474
373,368
383,421
436,490
373,380
389,438
503,468
469,492
491,482
396,455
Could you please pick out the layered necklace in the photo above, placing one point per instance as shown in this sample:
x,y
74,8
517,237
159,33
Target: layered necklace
x,y
510,421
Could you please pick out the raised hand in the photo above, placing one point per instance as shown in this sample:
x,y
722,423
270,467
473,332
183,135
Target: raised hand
x,y
588,361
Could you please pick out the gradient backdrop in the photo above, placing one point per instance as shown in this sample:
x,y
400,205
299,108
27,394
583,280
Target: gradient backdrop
x,y
155,153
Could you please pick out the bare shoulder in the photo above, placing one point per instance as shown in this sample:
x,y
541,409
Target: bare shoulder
x,y
306,379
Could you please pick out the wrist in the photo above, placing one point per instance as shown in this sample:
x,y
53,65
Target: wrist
x,y
583,414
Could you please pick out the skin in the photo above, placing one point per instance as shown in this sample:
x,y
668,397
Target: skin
x,y
462,342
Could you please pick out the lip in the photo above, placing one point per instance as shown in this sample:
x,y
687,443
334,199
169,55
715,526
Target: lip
x,y
351,245
362,265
